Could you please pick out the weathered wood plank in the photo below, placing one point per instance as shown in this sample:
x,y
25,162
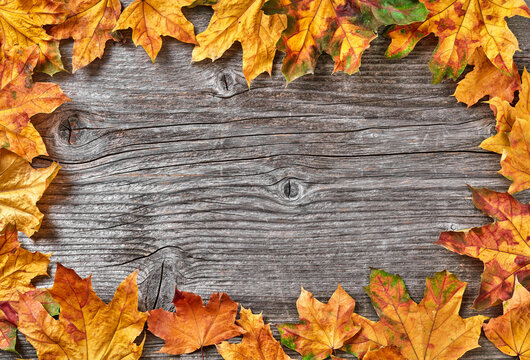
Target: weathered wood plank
x,y
180,171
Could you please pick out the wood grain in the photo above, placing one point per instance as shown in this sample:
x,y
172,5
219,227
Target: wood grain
x,y
180,171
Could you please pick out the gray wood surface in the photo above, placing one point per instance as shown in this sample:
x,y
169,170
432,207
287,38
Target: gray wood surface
x,y
180,171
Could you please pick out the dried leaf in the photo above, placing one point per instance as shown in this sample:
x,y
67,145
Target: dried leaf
x,y
90,24
257,344
502,246
323,328
384,353
151,19
486,79
243,21
341,28
430,330
17,268
462,26
21,187
510,333
22,24
20,99
193,325
87,327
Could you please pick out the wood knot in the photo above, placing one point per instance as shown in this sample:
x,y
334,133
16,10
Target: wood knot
x,y
291,189
69,129
229,84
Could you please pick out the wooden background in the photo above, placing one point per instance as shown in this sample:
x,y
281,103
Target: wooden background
x,y
180,171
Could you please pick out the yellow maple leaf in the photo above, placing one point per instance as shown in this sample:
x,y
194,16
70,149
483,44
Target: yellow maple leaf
x,y
462,26
21,186
90,24
243,21
87,327
21,26
151,19
510,332
486,79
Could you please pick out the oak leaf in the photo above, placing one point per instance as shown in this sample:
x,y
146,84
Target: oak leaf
x,y
17,268
90,24
462,26
151,19
21,186
20,99
510,332
257,344
87,328
342,28
22,24
193,326
486,79
432,329
503,246
245,22
323,328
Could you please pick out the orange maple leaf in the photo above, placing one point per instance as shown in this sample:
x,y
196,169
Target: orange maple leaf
x,y
502,246
486,79
87,327
150,19
20,99
341,28
323,328
462,26
90,24
384,353
257,344
430,330
22,24
193,326
17,268
510,333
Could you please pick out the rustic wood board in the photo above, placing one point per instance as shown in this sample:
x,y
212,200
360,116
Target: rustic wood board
x,y
180,171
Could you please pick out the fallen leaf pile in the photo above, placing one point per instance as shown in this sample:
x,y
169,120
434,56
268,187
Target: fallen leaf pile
x,y
69,321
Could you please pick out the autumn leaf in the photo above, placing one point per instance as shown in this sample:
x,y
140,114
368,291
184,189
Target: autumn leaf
x,y
323,328
20,99
384,353
90,23
21,187
243,21
341,28
257,344
510,333
151,19
486,79
502,246
17,268
430,330
193,326
87,328
462,26
22,24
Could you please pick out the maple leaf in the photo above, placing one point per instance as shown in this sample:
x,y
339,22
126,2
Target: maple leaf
x,y
90,24
323,328
87,328
17,268
193,326
150,19
243,21
22,24
462,26
486,79
432,329
20,99
257,344
341,28
21,187
384,353
502,246
510,332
